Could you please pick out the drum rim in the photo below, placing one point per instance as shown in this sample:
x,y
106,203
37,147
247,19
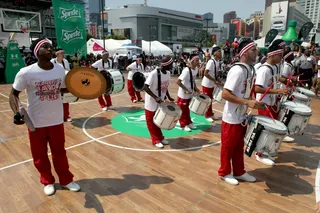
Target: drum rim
x,y
172,113
306,91
270,126
300,96
299,105
112,81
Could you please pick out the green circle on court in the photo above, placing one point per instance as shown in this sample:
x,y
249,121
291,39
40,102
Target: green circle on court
x,y
134,123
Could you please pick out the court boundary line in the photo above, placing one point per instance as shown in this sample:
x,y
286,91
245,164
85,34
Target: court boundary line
x,y
317,184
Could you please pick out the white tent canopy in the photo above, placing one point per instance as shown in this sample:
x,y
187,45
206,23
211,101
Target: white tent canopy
x,y
95,46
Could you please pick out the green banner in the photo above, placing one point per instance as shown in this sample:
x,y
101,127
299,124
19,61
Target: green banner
x,y
14,62
70,27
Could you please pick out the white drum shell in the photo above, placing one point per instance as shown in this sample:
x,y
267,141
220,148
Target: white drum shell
x,y
217,95
166,119
118,81
200,104
306,92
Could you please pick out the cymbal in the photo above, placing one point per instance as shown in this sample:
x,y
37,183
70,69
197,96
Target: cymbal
x,y
85,83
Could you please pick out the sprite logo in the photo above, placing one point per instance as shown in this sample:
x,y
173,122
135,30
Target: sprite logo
x,y
68,36
65,14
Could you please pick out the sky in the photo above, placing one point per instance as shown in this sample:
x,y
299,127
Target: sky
x,y
218,7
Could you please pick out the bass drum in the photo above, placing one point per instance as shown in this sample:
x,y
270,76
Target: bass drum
x,y
115,81
138,80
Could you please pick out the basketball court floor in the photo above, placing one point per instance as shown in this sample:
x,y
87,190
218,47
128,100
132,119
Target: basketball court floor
x,y
119,170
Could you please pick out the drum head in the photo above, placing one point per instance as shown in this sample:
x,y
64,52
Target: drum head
x,y
107,76
171,109
85,83
203,98
138,80
306,92
274,126
300,96
298,108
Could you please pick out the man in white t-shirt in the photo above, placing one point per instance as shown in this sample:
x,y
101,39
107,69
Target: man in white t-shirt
x,y
210,79
288,69
116,61
259,64
103,65
318,80
60,60
134,67
43,82
237,92
187,87
269,76
155,94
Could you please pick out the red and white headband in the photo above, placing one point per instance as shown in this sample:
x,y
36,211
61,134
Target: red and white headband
x,y
105,53
246,48
194,58
37,47
282,44
286,56
167,63
276,52
60,52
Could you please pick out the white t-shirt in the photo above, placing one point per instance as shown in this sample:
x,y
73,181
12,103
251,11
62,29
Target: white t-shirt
x,y
287,72
185,80
239,82
65,63
265,79
43,91
257,66
152,81
102,66
116,59
134,67
206,82
319,69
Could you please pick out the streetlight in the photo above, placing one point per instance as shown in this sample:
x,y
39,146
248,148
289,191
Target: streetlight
x,y
101,4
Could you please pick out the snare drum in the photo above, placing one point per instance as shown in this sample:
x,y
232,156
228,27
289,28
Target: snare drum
x,y
306,92
264,135
295,116
167,116
299,98
217,95
115,81
200,104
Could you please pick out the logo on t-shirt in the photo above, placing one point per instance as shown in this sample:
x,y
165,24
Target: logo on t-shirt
x,y
164,86
48,90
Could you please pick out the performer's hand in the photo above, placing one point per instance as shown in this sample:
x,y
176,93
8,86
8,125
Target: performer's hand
x,y
171,99
256,104
283,91
188,92
220,84
18,119
158,100
198,92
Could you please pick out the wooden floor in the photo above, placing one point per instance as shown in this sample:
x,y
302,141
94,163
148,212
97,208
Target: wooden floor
x,y
126,181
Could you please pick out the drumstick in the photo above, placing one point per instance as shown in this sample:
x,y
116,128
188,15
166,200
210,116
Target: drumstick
x,y
265,93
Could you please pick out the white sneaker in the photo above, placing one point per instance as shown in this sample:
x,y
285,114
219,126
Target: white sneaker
x,y
141,100
191,126
74,187
165,142
210,119
111,108
216,118
187,129
135,101
288,139
230,179
159,145
105,109
49,189
246,177
69,119
265,160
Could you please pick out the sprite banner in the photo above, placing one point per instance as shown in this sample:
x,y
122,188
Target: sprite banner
x,y
70,27
14,62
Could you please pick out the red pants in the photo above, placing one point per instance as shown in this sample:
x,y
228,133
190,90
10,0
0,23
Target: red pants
x,y
209,92
155,132
265,112
39,149
133,93
232,143
185,119
66,113
106,103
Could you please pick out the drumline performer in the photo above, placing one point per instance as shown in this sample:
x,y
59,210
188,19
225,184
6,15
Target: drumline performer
x,y
236,92
134,67
268,75
187,87
60,60
103,65
44,82
210,79
156,88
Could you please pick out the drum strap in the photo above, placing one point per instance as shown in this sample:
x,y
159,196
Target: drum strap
x,y
103,63
215,68
191,79
159,82
64,66
253,139
253,73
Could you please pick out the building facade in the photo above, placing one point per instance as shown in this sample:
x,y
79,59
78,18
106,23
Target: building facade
x,y
140,22
227,17
223,32
312,10
293,12
241,27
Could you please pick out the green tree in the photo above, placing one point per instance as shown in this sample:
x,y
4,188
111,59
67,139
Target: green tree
x,y
116,37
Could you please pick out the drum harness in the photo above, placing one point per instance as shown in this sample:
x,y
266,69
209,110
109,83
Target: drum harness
x,y
103,64
246,116
55,61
